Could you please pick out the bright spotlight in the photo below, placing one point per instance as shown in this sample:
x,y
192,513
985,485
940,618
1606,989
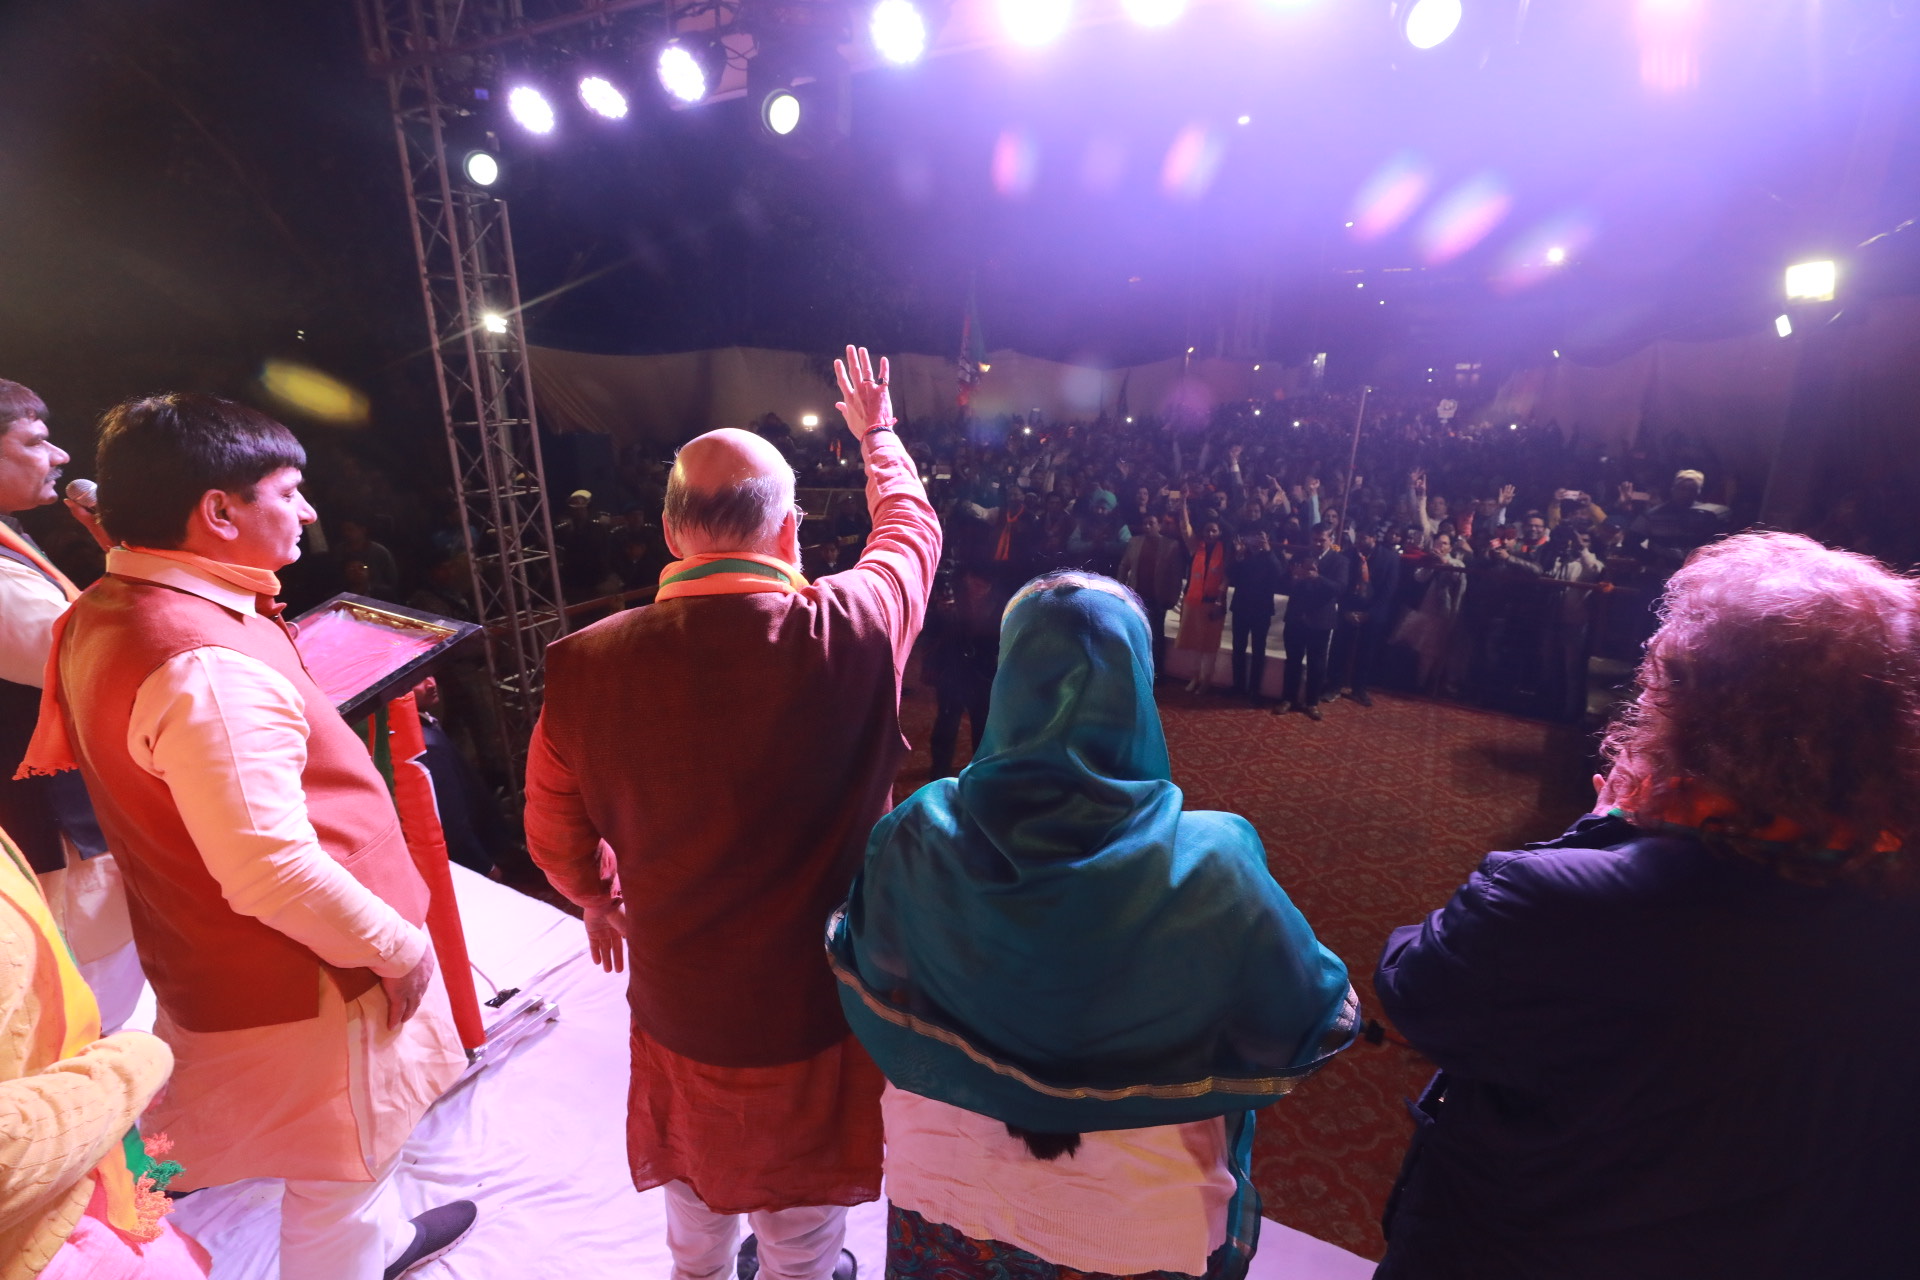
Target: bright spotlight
x,y
1811,281
1783,326
1244,120
1155,13
899,31
809,419
602,98
1556,255
781,112
530,109
1035,22
481,167
1430,22
493,322
682,75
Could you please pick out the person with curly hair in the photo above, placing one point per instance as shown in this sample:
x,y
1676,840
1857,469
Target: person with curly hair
x,y
1682,1038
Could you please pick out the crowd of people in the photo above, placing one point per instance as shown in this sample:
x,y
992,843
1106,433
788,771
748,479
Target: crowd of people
x,y
1052,999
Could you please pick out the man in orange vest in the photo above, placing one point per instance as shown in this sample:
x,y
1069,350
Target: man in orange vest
x,y
276,909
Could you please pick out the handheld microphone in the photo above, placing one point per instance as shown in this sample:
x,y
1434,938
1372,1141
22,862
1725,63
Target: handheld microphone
x,y
84,492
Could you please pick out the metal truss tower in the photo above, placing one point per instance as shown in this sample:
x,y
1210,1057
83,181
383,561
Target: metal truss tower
x,y
464,250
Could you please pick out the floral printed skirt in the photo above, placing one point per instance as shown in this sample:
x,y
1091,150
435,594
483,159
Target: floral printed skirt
x,y
922,1250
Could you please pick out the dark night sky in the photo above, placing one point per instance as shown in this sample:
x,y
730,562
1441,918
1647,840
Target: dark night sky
x,y
190,186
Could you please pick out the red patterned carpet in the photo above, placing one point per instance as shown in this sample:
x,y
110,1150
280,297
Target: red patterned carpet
x,y
1370,820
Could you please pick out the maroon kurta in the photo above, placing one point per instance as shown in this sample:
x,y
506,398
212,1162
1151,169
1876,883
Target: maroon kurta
x,y
735,751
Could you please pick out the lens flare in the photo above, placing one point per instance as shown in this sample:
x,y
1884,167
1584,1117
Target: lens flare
x,y
1193,162
1669,35
530,109
1390,197
1016,163
1035,22
317,395
1464,217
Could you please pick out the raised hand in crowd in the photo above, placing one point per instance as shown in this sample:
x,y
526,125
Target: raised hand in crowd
x,y
868,402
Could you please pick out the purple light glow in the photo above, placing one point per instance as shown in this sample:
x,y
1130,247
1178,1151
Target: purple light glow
x,y
1464,217
1193,162
1390,197
1669,34
1104,165
1016,163
1531,257
1155,13
1035,22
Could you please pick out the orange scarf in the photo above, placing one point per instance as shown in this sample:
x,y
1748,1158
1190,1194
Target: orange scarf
x,y
728,573
241,577
24,547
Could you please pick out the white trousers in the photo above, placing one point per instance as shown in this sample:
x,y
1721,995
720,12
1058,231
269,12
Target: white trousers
x,y
795,1244
342,1230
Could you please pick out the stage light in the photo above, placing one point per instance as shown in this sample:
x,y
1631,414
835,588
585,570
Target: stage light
x,y
1035,22
1556,356
681,73
899,31
809,419
1556,255
1026,431
481,167
781,112
1429,23
1155,13
1244,120
530,109
1783,326
493,322
1811,281
602,98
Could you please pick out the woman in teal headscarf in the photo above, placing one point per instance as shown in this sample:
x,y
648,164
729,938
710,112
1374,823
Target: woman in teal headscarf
x,y
1078,992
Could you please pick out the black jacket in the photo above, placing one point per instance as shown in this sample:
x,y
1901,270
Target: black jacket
x,y
1658,1061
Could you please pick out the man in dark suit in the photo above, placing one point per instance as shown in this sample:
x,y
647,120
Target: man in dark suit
x,y
1313,608
1255,575
1367,612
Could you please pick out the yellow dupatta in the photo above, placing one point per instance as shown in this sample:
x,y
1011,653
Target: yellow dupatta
x,y
79,1027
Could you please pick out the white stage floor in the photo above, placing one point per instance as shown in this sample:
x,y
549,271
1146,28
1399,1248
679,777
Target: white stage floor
x,y
539,1140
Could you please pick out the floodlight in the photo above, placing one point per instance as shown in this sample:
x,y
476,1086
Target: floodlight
x,y
1556,255
809,419
1811,281
1244,120
899,31
1035,22
681,73
1429,23
781,112
601,97
1155,13
493,322
1783,326
530,109
481,167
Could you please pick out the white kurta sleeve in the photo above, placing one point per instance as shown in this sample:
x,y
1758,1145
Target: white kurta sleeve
x,y
28,606
226,733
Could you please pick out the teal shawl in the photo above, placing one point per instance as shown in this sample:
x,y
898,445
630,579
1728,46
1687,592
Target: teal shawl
x,y
1050,941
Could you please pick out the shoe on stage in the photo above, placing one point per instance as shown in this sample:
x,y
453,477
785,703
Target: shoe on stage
x,y
1313,713
748,1264
1362,697
435,1233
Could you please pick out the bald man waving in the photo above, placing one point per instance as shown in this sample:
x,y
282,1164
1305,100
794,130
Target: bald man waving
x,y
734,743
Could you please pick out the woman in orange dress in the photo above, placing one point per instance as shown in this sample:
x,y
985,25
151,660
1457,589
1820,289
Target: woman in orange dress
x,y
1203,610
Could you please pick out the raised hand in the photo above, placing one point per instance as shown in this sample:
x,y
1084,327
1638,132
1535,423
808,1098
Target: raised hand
x,y
867,402
1313,484
1506,495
